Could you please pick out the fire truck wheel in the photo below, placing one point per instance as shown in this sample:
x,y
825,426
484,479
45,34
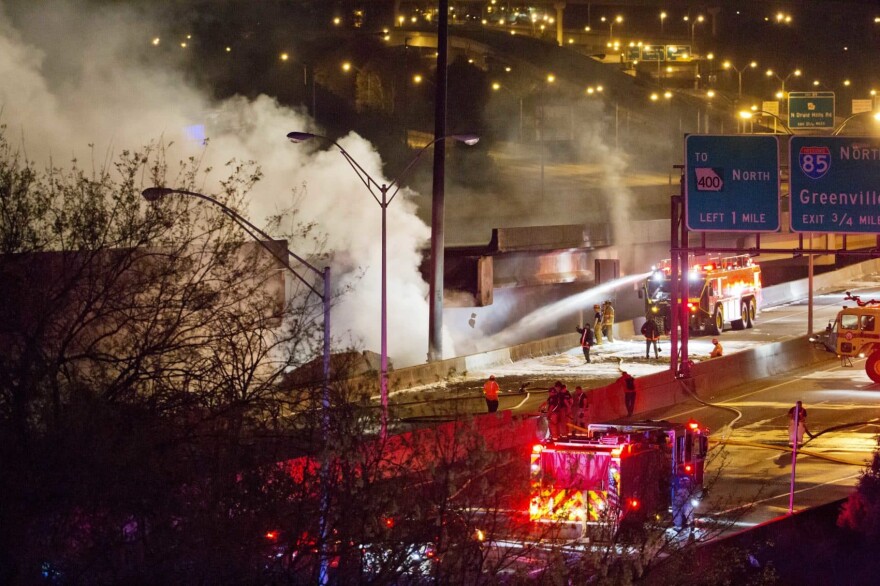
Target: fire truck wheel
x,y
718,320
872,366
752,313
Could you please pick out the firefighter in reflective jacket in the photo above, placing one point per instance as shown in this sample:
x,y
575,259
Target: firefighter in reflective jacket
x,y
597,323
608,321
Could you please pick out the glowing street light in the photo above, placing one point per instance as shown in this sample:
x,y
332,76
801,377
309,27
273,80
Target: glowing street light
x,y
795,73
383,190
663,16
739,72
693,24
874,115
748,114
618,20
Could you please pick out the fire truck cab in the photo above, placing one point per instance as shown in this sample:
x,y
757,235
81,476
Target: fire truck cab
x,y
720,290
855,333
619,472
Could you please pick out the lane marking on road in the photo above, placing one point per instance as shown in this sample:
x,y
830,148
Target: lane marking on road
x,y
786,494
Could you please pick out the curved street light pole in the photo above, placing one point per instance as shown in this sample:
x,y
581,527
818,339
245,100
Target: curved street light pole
x,y
837,130
747,115
153,194
383,201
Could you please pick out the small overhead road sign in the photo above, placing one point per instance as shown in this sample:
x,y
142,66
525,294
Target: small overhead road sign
x,y
811,110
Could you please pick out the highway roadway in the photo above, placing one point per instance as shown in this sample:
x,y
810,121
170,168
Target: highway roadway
x,y
753,479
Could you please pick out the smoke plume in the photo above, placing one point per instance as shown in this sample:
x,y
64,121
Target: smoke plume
x,y
75,83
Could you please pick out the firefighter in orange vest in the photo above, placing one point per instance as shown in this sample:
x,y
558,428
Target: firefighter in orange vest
x,y
490,390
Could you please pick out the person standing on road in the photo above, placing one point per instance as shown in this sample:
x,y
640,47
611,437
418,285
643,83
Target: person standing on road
x,y
490,390
587,340
580,407
652,335
797,434
629,391
608,321
557,406
597,323
717,350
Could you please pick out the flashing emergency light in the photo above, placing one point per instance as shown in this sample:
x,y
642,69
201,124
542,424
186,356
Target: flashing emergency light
x,y
709,267
692,307
616,452
537,449
634,503
695,502
688,468
693,424
389,522
480,535
271,535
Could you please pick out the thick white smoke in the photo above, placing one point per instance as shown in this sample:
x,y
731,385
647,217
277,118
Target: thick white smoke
x,y
70,79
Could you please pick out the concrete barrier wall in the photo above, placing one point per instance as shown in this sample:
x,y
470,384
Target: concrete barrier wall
x,y
795,290
441,370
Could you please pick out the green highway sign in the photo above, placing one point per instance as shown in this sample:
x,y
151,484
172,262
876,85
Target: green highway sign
x,y
811,110
732,183
653,52
833,182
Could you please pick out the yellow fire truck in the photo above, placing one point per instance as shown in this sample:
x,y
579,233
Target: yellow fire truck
x,y
721,290
855,333
619,472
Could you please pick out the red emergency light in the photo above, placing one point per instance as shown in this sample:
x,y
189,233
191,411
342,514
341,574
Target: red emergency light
x,y
633,503
693,308
693,424
271,535
537,448
689,469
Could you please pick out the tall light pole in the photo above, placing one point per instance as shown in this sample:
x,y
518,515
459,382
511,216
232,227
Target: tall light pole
x,y
693,25
739,72
383,189
617,19
795,73
153,194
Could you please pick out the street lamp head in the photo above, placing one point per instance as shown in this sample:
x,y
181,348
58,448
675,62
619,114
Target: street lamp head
x,y
297,137
753,64
155,193
468,139
726,65
769,72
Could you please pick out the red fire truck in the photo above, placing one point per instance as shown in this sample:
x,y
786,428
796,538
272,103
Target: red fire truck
x,y
619,472
720,290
